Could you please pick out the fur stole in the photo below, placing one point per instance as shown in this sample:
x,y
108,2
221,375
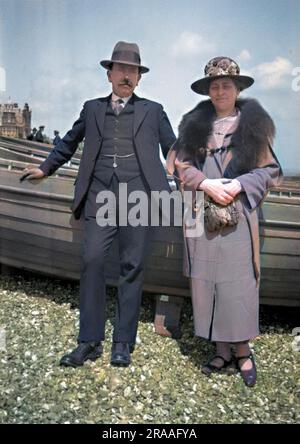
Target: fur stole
x,y
251,139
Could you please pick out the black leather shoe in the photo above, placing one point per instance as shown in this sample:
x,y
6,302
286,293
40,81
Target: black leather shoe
x,y
249,376
210,368
120,354
84,351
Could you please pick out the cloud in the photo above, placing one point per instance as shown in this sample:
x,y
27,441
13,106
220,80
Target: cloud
x,y
244,55
273,74
191,44
56,100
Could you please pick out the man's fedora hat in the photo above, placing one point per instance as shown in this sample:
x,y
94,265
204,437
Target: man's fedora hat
x,y
219,67
126,53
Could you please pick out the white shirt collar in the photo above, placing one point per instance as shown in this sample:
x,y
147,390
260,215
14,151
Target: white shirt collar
x,y
114,97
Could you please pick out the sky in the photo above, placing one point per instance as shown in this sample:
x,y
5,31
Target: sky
x,y
50,52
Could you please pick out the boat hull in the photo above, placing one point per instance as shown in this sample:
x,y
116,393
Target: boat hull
x,y
39,233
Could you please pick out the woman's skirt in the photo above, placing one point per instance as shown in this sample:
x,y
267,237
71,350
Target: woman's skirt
x,y
225,293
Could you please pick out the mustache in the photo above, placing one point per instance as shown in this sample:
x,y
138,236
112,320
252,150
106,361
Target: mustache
x,y
126,82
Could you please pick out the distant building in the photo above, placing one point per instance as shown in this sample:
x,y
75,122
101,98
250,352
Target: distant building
x,y
14,121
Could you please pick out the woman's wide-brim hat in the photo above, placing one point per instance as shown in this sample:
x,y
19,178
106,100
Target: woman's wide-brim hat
x,y
217,68
127,54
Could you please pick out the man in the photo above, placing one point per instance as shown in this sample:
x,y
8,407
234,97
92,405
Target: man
x,y
39,135
32,135
122,135
57,138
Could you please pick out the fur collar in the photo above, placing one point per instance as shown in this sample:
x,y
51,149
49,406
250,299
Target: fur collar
x,y
254,134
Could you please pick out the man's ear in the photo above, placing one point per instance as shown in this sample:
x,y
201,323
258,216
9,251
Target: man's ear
x,y
139,78
109,76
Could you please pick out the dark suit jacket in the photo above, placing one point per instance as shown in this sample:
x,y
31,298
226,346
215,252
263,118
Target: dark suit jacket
x,y
151,129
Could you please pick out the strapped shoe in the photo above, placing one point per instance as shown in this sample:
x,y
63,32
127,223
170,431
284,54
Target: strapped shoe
x,y
210,368
84,351
249,376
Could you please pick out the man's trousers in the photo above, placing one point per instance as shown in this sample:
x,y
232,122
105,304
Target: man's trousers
x,y
133,246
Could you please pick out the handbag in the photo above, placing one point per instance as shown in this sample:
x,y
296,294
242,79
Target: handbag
x,y
217,216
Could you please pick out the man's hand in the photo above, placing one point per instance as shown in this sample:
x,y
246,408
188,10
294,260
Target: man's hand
x,y
32,173
181,167
216,189
182,164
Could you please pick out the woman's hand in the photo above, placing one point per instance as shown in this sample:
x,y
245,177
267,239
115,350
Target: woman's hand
x,y
216,189
233,188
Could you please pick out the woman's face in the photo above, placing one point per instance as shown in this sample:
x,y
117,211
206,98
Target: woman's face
x,y
223,93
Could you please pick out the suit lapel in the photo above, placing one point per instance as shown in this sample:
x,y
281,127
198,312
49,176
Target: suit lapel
x,y
100,113
140,111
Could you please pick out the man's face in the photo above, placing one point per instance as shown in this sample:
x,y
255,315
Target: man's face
x,y
124,79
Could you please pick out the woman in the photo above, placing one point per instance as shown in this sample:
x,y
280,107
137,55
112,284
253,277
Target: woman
x,y
226,138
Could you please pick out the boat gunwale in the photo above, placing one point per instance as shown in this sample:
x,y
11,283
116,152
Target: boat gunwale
x,y
35,193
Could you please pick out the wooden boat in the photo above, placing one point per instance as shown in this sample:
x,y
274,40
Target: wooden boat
x,y
280,245
19,148
38,233
17,166
45,147
15,155
30,158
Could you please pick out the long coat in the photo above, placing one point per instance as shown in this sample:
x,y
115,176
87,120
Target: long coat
x,y
151,128
224,266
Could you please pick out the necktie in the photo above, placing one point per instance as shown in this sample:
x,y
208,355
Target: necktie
x,y
117,106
